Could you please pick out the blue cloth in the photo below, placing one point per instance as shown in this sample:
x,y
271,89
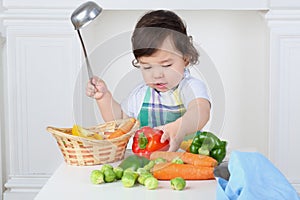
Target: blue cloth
x,y
254,177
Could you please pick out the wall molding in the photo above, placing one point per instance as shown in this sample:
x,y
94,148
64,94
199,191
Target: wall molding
x,y
145,4
24,184
41,14
279,16
1,118
284,53
25,125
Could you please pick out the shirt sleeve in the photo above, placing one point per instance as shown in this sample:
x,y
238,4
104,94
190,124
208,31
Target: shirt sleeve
x,y
132,104
193,88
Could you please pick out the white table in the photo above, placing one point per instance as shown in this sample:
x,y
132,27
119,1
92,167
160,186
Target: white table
x,y
73,182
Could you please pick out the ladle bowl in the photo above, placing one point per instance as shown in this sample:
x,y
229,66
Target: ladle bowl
x,y
84,14
80,17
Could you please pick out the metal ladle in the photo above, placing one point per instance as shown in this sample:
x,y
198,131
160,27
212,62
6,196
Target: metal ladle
x,y
82,16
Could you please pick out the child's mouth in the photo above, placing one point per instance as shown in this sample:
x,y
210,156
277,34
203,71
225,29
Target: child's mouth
x,y
160,86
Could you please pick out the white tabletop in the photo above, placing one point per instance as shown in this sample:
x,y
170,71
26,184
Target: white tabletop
x,y
73,182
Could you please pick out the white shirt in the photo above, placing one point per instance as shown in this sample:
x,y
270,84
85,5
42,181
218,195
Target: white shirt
x,y
189,88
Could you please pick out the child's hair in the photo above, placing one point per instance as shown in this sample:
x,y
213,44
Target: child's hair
x,y
154,27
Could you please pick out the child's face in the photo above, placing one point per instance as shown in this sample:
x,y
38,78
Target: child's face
x,y
164,69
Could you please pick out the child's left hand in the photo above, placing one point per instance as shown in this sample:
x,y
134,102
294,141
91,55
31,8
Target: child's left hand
x,y
171,133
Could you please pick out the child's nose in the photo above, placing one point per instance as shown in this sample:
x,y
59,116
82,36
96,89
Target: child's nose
x,y
158,73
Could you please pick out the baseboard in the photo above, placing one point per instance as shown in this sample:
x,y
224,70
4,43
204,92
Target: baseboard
x,y
25,188
8,195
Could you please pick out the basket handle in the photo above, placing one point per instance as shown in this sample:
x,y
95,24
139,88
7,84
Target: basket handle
x,y
52,129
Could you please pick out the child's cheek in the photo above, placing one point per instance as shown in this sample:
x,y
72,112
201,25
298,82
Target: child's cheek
x,y
146,76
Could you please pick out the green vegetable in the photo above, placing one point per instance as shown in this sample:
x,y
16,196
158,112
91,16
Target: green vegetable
x,y
160,160
203,151
177,160
142,177
109,175
97,177
129,170
134,162
206,143
141,171
106,166
151,183
119,172
219,153
150,165
129,178
178,183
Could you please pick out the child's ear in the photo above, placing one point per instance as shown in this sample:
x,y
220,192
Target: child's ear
x,y
186,60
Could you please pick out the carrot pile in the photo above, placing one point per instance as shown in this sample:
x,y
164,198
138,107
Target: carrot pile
x,y
186,157
195,167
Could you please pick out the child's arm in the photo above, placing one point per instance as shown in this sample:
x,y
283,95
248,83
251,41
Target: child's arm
x,y
194,119
109,108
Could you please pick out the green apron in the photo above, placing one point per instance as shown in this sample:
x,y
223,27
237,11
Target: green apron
x,y
161,108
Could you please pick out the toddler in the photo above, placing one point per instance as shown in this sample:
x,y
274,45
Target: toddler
x,y
170,98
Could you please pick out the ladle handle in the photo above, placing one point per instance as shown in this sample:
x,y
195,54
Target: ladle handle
x,y
89,69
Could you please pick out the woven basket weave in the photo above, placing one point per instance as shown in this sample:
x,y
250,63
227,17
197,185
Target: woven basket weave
x,y
84,151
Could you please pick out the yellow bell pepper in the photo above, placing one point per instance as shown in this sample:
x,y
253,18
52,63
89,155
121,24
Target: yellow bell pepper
x,y
81,132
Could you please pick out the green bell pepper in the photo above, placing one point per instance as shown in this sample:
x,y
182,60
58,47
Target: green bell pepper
x,y
206,143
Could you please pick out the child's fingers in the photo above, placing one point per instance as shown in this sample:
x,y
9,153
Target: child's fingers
x,y
94,80
174,145
164,137
96,88
89,93
172,148
90,90
99,85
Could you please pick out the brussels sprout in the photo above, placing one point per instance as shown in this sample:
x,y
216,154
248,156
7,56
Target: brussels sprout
x,y
131,171
106,166
109,175
150,165
97,177
178,183
143,177
128,179
151,183
177,160
119,172
141,171
160,160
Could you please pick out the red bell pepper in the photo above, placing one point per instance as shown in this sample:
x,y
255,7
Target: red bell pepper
x,y
147,140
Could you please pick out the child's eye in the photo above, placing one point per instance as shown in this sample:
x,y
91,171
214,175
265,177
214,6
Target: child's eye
x,y
169,65
146,67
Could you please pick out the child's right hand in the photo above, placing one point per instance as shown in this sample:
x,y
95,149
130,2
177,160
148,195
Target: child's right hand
x,y
97,90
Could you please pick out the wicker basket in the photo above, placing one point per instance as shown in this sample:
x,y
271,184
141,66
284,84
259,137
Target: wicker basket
x,y
83,151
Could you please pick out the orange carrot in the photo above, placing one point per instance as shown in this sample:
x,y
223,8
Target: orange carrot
x,y
186,157
128,125
125,128
168,171
116,134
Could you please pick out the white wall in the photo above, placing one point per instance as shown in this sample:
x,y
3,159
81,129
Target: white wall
x,y
235,41
1,117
